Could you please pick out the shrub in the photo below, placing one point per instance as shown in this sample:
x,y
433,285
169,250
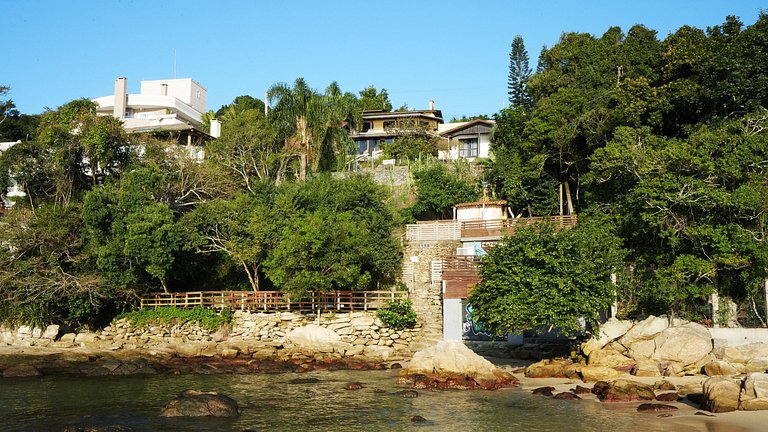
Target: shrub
x,y
398,315
207,318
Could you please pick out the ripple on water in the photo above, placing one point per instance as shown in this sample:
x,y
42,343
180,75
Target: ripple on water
x,y
314,401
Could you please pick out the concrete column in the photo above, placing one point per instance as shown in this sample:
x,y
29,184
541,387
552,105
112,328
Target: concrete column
x,y
452,325
121,98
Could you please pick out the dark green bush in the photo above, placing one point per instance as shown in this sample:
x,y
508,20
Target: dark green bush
x,y
207,318
398,315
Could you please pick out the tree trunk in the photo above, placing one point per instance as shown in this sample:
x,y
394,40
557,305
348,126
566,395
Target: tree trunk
x,y
568,198
165,288
254,281
303,166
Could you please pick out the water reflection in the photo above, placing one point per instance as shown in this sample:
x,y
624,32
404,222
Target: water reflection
x,y
274,402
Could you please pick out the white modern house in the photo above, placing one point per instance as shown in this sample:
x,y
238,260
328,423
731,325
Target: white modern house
x,y
160,105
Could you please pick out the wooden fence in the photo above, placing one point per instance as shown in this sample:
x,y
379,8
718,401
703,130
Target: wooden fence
x,y
434,231
271,301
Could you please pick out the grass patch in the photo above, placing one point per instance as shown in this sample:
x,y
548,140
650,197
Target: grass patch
x,y
206,318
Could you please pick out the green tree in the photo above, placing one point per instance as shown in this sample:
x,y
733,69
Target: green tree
x,y
370,99
519,72
411,146
544,278
438,192
251,151
315,125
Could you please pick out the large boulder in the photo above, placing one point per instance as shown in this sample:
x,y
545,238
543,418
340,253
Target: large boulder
x,y
194,403
553,368
644,330
754,393
686,344
721,394
611,358
314,337
742,354
599,373
720,368
609,332
641,349
450,364
623,390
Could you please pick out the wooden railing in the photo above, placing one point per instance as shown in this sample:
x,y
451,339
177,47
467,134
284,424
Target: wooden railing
x,y
433,231
271,301
488,229
499,227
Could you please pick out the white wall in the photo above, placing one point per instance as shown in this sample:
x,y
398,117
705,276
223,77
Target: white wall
x,y
452,325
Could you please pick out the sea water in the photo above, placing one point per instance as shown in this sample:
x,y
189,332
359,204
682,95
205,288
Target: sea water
x,y
281,402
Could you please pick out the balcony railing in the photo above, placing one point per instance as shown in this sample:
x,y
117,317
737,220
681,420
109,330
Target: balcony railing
x,y
479,229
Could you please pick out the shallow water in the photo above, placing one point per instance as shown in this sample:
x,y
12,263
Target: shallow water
x,y
271,402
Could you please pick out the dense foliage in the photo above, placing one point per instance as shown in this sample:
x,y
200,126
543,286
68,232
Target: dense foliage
x,y
542,277
669,138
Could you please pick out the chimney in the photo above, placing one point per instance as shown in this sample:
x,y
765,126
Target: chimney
x,y
215,128
164,89
121,98
431,105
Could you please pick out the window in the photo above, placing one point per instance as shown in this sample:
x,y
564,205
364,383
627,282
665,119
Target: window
x,y
389,124
367,126
468,148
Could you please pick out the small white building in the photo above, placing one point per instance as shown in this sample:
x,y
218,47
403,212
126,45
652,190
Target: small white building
x,y
466,140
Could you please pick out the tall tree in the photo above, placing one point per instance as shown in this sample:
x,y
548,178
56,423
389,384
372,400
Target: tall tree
x,y
519,72
370,99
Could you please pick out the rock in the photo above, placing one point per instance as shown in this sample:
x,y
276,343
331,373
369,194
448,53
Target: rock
x,y
599,373
567,396
609,331
720,394
742,354
194,403
544,391
654,408
755,365
552,368
622,390
303,381
51,332
646,368
395,366
450,364
408,393
353,386
664,385
720,367
667,397
686,344
702,413
642,349
611,358
313,337
21,371
644,330
754,393
581,390
418,419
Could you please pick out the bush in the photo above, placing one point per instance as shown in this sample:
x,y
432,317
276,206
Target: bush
x,y
207,318
398,315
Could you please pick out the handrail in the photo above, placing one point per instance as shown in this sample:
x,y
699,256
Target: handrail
x,y
271,301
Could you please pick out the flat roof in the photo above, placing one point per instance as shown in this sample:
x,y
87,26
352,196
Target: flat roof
x,y
482,204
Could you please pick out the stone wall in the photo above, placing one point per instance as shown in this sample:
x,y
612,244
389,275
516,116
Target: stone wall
x,y
250,335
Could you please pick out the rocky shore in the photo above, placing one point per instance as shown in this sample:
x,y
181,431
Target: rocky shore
x,y
252,342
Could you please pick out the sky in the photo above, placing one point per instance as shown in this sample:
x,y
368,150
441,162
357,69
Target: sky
x,y
453,52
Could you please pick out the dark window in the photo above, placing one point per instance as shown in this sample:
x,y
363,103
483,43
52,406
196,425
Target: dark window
x,y
468,148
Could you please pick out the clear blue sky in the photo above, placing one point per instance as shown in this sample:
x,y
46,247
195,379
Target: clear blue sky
x,y
455,52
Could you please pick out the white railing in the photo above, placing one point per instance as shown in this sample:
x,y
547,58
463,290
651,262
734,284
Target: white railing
x,y
433,231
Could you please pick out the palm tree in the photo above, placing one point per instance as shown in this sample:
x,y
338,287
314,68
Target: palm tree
x,y
317,125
